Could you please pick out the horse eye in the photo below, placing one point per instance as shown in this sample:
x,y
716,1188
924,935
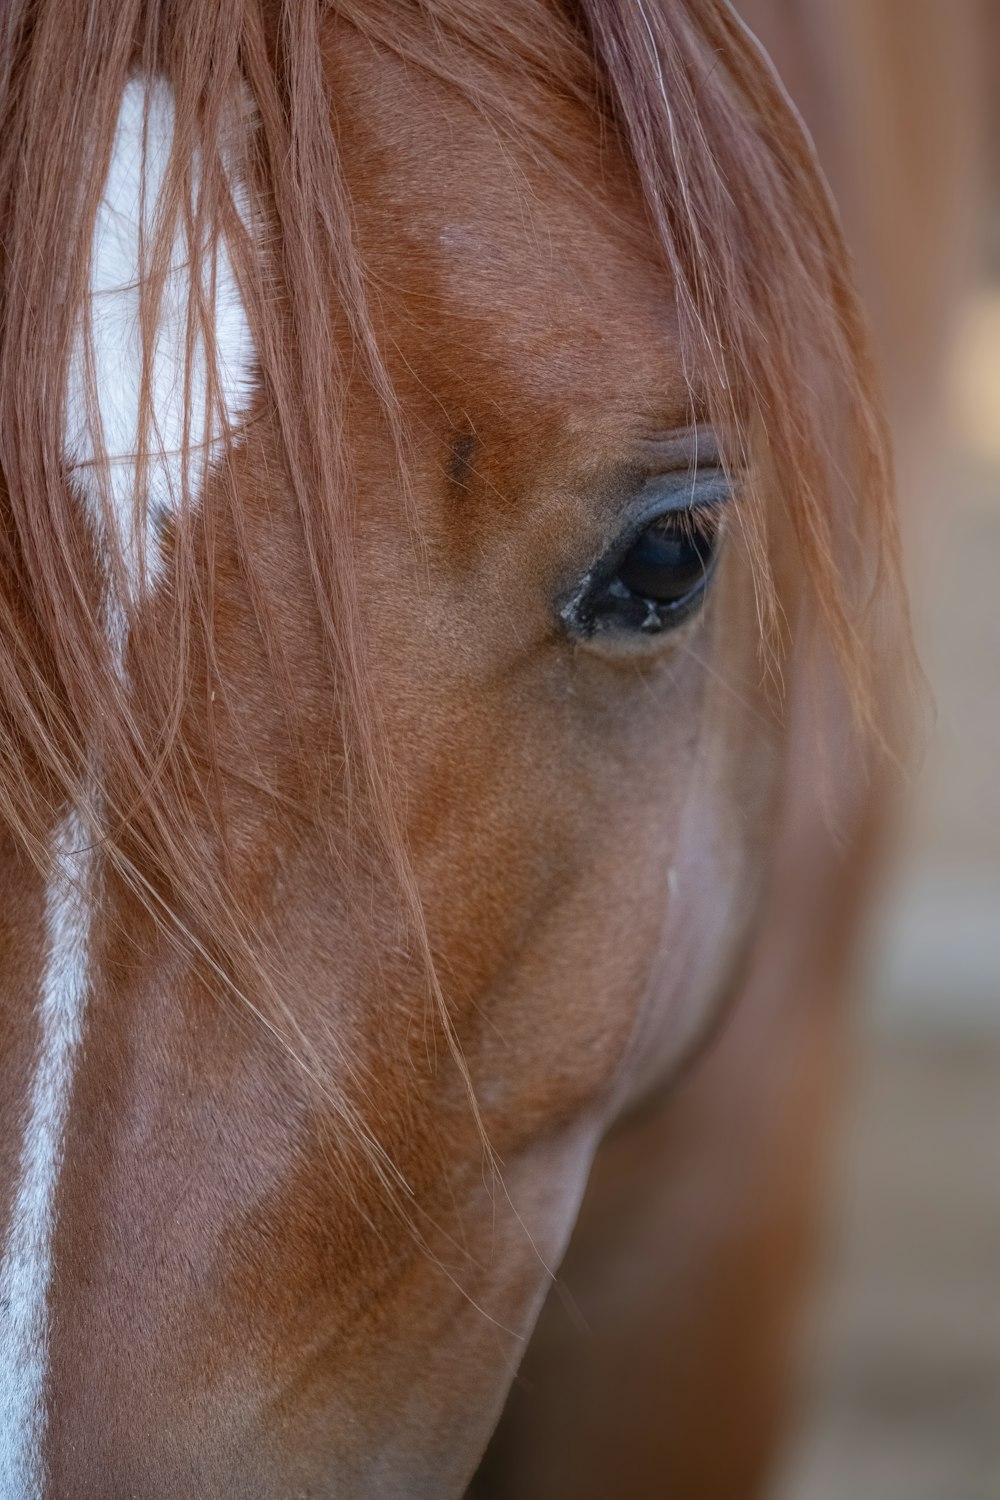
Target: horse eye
x,y
671,558
659,581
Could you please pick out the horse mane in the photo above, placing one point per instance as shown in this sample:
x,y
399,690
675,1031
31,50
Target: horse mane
x,y
768,316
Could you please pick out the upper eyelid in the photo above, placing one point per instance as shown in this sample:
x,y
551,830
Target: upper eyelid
x,y
675,491
684,489
684,450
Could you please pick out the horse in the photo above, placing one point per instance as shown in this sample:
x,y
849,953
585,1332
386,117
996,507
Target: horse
x,y
449,603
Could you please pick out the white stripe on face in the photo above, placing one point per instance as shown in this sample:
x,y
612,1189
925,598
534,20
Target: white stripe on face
x,y
108,359
109,362
27,1263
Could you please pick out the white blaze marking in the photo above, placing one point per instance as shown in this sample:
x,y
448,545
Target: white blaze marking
x,y
123,236
27,1262
109,363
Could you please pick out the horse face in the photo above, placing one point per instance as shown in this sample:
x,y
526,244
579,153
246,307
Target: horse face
x,y
289,1266
571,750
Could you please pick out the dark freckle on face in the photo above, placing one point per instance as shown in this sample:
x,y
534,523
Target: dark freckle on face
x,y
463,450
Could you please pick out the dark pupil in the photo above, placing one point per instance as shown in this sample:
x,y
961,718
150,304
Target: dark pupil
x,y
669,559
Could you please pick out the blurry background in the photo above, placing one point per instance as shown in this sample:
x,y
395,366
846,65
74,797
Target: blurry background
x,y
902,1399
904,1394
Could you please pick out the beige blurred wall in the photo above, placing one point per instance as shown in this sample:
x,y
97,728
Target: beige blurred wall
x,y
903,100
902,1396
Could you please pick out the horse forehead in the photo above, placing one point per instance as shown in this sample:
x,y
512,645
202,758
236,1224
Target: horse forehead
x,y
562,318
485,225
519,231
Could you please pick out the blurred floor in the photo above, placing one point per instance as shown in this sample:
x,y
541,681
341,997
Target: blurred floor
x,y
903,1401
